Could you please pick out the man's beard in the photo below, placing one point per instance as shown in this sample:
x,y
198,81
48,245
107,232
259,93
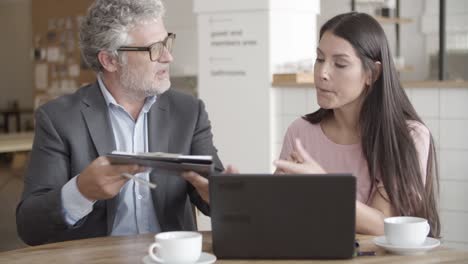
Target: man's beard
x,y
138,86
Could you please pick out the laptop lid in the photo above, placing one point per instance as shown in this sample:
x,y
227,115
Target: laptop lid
x,y
283,216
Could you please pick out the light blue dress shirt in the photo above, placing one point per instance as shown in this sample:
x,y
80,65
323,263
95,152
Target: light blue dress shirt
x,y
135,212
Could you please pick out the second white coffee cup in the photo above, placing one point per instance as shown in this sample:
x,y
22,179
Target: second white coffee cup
x,y
176,247
406,231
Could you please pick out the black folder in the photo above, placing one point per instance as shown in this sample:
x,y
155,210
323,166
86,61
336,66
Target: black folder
x,y
168,161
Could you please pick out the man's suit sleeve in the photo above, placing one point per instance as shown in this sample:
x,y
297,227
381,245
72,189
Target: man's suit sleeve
x,y
39,216
202,144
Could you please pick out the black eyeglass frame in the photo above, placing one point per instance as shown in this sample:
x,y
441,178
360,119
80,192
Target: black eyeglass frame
x,y
148,48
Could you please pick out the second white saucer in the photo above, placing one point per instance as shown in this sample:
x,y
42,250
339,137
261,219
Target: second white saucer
x,y
428,244
205,258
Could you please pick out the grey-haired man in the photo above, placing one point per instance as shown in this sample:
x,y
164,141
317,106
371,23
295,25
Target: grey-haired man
x,y
71,190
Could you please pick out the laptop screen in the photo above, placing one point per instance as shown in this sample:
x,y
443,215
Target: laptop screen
x,y
283,216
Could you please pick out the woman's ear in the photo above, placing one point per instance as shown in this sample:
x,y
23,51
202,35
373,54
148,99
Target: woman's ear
x,y
108,62
378,72
371,78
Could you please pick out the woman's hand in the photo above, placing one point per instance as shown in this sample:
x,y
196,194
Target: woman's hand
x,y
300,162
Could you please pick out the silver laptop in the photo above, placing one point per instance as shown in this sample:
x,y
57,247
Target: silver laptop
x,y
256,216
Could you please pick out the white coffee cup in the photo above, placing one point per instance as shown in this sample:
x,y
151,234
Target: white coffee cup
x,y
406,231
176,247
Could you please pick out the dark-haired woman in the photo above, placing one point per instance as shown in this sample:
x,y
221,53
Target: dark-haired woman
x,y
366,126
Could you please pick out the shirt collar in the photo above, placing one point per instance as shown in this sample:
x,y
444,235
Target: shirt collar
x,y
110,100
149,101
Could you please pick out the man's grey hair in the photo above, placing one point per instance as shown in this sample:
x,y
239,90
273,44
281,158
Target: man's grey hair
x,y
108,22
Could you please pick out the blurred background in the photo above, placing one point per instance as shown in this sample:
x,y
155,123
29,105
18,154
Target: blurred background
x,y
260,53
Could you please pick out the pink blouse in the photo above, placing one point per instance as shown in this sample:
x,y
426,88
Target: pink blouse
x,y
337,158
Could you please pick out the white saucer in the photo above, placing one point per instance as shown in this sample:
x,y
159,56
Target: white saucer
x,y
205,258
428,244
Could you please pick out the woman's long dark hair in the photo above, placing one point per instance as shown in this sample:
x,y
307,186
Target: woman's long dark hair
x,y
386,142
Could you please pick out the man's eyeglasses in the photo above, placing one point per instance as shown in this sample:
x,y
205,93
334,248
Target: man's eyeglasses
x,y
156,50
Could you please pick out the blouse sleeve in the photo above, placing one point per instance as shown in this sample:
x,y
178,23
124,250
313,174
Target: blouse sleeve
x,y
422,139
288,143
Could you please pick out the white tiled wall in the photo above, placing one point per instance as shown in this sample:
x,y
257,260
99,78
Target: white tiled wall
x,y
453,159
453,103
289,104
445,112
454,228
454,195
426,102
453,165
454,134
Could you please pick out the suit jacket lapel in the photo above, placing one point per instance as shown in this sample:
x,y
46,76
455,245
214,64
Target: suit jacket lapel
x,y
158,137
96,115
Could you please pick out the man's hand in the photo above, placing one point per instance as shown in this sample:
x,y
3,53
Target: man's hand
x,y
101,180
201,184
299,162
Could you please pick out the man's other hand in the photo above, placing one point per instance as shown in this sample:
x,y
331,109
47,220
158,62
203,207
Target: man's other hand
x,y
201,184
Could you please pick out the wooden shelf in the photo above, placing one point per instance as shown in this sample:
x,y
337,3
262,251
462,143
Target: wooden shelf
x,y
308,78
435,84
289,80
406,68
299,78
393,20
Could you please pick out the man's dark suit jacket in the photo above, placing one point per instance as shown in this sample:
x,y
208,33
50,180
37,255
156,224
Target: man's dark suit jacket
x,y
73,130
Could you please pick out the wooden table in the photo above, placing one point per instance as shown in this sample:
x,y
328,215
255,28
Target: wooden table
x,y
133,248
